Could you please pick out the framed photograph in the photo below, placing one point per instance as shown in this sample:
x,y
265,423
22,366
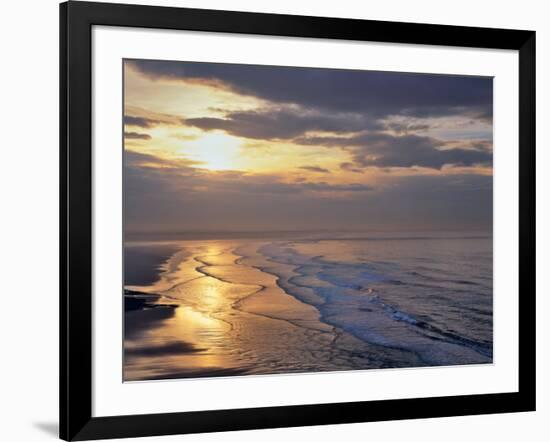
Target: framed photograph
x,y
272,220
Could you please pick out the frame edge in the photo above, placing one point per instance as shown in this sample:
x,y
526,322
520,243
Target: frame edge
x,y
527,221
63,372
75,274
76,422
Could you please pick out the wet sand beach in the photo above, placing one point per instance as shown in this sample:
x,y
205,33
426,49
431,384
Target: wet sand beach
x,y
229,317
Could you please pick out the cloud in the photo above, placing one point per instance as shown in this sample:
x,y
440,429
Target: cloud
x,y
406,127
373,93
136,136
136,159
185,178
351,107
486,145
378,120
140,161
315,169
272,184
383,150
380,149
282,124
142,122
325,187
187,198
349,167
328,141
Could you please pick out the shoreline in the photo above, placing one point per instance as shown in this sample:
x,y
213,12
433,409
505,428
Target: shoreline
x,y
257,328
235,315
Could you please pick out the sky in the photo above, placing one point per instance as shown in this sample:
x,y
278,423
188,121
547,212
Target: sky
x,y
215,147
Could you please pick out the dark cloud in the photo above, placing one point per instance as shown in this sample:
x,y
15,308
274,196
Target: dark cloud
x,y
136,159
136,136
349,167
383,150
133,159
379,149
282,123
374,93
406,127
315,169
329,141
143,122
353,105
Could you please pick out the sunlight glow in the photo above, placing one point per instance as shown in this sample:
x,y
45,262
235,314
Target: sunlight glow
x,y
216,151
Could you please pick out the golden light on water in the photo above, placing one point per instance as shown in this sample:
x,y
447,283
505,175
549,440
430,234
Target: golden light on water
x,y
221,321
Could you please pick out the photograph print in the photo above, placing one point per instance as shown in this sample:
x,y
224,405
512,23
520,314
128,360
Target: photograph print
x,y
284,220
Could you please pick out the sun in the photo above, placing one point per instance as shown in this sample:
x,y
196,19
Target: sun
x,y
215,151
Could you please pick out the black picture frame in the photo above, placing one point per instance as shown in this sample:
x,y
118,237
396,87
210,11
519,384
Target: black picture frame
x,y
76,21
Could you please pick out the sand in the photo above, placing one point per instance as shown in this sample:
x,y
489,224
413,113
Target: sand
x,y
232,318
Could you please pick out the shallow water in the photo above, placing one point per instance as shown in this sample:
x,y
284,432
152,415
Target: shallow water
x,y
315,304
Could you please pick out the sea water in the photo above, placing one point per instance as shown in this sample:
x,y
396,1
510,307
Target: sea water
x,y
430,294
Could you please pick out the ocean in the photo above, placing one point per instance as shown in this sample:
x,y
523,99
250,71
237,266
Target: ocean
x,y
286,303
